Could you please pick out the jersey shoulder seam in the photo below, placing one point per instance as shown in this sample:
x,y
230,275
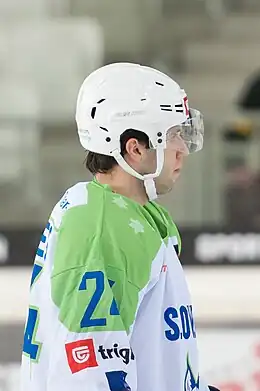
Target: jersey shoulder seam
x,y
83,266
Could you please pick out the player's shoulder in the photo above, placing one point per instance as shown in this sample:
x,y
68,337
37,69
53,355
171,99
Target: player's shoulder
x,y
112,220
91,205
75,196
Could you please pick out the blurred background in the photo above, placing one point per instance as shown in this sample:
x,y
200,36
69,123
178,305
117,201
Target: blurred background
x,y
212,48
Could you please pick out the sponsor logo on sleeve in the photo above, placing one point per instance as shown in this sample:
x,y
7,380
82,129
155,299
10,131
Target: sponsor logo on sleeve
x,y
81,355
124,354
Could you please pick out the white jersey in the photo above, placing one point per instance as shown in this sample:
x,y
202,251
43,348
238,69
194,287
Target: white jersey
x,y
109,305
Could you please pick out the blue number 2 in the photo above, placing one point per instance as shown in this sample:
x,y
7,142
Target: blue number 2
x,y
32,348
87,321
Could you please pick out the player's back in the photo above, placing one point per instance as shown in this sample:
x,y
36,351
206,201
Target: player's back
x,y
106,282
92,221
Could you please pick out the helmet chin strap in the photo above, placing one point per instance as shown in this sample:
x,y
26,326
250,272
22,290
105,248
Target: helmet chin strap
x,y
150,189
148,179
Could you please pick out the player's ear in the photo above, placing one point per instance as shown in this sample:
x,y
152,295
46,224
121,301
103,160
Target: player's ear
x,y
135,149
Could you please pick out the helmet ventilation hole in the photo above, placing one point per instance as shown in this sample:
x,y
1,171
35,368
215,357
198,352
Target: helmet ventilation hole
x,y
93,112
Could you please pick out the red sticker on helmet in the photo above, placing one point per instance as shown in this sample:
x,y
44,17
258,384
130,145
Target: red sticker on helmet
x,y
186,106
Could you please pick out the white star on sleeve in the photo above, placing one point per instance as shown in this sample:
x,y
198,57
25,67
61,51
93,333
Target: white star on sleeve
x,y
136,225
119,201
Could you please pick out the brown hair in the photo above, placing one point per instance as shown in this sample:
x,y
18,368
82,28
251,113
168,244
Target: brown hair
x,y
98,163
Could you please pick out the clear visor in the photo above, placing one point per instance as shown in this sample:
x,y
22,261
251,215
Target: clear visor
x,y
187,137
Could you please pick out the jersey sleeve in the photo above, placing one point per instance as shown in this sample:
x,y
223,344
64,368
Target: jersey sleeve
x,y
95,310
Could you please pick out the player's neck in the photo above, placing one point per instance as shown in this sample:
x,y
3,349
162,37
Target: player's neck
x,y
124,184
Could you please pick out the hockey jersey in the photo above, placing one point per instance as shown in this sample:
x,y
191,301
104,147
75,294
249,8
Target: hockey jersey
x,y
109,305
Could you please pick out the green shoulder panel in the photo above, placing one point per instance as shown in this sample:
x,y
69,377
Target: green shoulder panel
x,y
87,286
103,258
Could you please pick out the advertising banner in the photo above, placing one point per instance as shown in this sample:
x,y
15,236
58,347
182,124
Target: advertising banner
x,y
205,246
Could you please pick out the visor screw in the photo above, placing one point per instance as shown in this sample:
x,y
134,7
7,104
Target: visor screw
x,y
159,134
159,140
108,139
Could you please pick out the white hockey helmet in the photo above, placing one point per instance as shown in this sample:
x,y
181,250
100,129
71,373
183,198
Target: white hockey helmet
x,y
123,96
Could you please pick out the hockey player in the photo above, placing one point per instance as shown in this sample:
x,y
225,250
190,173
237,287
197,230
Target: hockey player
x,y
109,305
